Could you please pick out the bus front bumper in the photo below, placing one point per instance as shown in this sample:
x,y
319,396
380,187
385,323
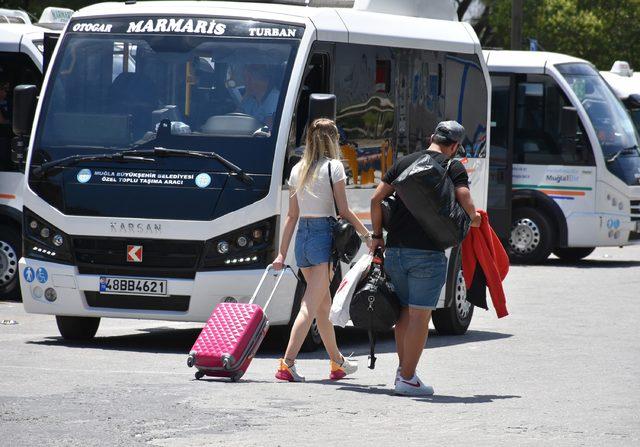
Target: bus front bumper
x,y
187,300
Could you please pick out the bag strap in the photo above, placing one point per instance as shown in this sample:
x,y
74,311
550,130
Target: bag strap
x,y
333,196
446,172
372,349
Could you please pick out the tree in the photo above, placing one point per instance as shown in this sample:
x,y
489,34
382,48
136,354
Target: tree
x,y
600,31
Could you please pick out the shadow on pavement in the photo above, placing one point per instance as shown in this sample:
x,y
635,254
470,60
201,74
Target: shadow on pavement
x,y
167,340
590,263
437,398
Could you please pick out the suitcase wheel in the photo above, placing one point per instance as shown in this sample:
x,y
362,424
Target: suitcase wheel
x,y
191,361
237,376
199,375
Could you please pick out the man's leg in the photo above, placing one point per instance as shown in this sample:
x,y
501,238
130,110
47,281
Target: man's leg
x,y
400,331
415,337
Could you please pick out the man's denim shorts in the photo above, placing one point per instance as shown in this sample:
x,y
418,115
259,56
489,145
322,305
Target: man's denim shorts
x,y
314,241
417,275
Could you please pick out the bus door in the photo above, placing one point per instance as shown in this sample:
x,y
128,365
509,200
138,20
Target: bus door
x,y
501,155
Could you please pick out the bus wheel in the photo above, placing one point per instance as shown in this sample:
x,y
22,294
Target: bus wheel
x,y
531,236
10,253
456,318
573,254
77,328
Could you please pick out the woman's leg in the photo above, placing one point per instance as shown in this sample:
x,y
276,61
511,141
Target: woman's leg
x,y
317,278
326,329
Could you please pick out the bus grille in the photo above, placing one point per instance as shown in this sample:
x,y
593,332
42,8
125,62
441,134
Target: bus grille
x,y
635,210
176,303
160,258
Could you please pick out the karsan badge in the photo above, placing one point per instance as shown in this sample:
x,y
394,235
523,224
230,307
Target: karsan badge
x,y
134,253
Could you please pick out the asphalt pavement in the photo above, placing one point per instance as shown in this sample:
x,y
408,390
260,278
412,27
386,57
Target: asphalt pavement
x,y
562,369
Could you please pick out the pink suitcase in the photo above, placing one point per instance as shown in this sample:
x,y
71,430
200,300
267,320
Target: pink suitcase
x,y
231,337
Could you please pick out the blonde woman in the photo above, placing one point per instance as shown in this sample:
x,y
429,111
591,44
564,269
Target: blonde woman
x,y
311,205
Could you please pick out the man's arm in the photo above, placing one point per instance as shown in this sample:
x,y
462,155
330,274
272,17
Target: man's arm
x,y
463,196
383,191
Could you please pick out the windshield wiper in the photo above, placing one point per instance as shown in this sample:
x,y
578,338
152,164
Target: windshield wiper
x,y
164,152
624,150
43,169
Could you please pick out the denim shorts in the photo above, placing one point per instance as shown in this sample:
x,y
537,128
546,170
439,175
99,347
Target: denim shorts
x,y
314,241
417,275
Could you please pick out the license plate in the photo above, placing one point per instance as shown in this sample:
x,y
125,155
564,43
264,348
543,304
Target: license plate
x,y
133,286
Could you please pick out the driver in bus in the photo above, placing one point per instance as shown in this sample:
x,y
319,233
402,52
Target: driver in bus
x,y
260,97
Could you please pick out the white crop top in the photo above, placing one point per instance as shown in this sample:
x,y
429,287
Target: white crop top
x,y
316,199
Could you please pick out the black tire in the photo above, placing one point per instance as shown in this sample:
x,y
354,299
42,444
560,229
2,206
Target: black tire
x,y
531,238
191,361
77,328
10,254
199,375
573,254
456,317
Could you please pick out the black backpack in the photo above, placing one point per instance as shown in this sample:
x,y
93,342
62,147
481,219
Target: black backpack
x,y
374,306
429,194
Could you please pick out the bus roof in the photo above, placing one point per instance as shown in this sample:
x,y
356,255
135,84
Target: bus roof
x,y
623,86
331,23
11,34
525,61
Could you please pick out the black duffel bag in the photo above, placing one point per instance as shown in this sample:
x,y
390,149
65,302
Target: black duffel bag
x,y
374,306
429,194
346,241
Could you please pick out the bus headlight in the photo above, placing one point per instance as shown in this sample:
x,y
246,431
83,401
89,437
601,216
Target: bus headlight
x,y
58,240
252,246
223,247
44,241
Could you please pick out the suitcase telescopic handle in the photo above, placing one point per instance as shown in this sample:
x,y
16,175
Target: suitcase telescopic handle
x,y
273,292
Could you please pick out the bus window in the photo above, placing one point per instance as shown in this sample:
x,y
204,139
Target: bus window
x,y
364,80
538,138
316,80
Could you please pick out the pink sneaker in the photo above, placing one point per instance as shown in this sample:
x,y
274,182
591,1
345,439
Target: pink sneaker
x,y
288,373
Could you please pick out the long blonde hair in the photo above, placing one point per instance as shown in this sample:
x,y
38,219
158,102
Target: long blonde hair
x,y
322,142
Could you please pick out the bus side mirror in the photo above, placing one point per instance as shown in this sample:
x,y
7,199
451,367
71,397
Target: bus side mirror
x,y
569,122
50,41
322,105
24,108
633,101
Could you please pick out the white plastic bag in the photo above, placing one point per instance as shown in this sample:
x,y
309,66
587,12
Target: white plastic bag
x,y
339,314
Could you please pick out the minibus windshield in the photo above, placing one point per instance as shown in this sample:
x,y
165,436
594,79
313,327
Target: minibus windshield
x,y
613,125
217,92
610,120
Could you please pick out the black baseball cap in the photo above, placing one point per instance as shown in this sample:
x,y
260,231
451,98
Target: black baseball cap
x,y
450,130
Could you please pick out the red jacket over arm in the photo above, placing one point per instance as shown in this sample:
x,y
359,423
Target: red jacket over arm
x,y
482,245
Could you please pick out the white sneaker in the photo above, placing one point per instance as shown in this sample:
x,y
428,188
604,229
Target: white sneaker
x,y
413,387
397,375
348,367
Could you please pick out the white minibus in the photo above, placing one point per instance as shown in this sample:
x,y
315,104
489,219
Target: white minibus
x,y
573,155
154,192
21,60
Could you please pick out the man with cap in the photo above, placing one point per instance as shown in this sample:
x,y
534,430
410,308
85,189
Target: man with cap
x,y
416,266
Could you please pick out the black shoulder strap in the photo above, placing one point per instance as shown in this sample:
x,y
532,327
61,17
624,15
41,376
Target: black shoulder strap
x,y
335,205
372,349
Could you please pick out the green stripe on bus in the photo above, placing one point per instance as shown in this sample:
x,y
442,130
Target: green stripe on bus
x,y
574,188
